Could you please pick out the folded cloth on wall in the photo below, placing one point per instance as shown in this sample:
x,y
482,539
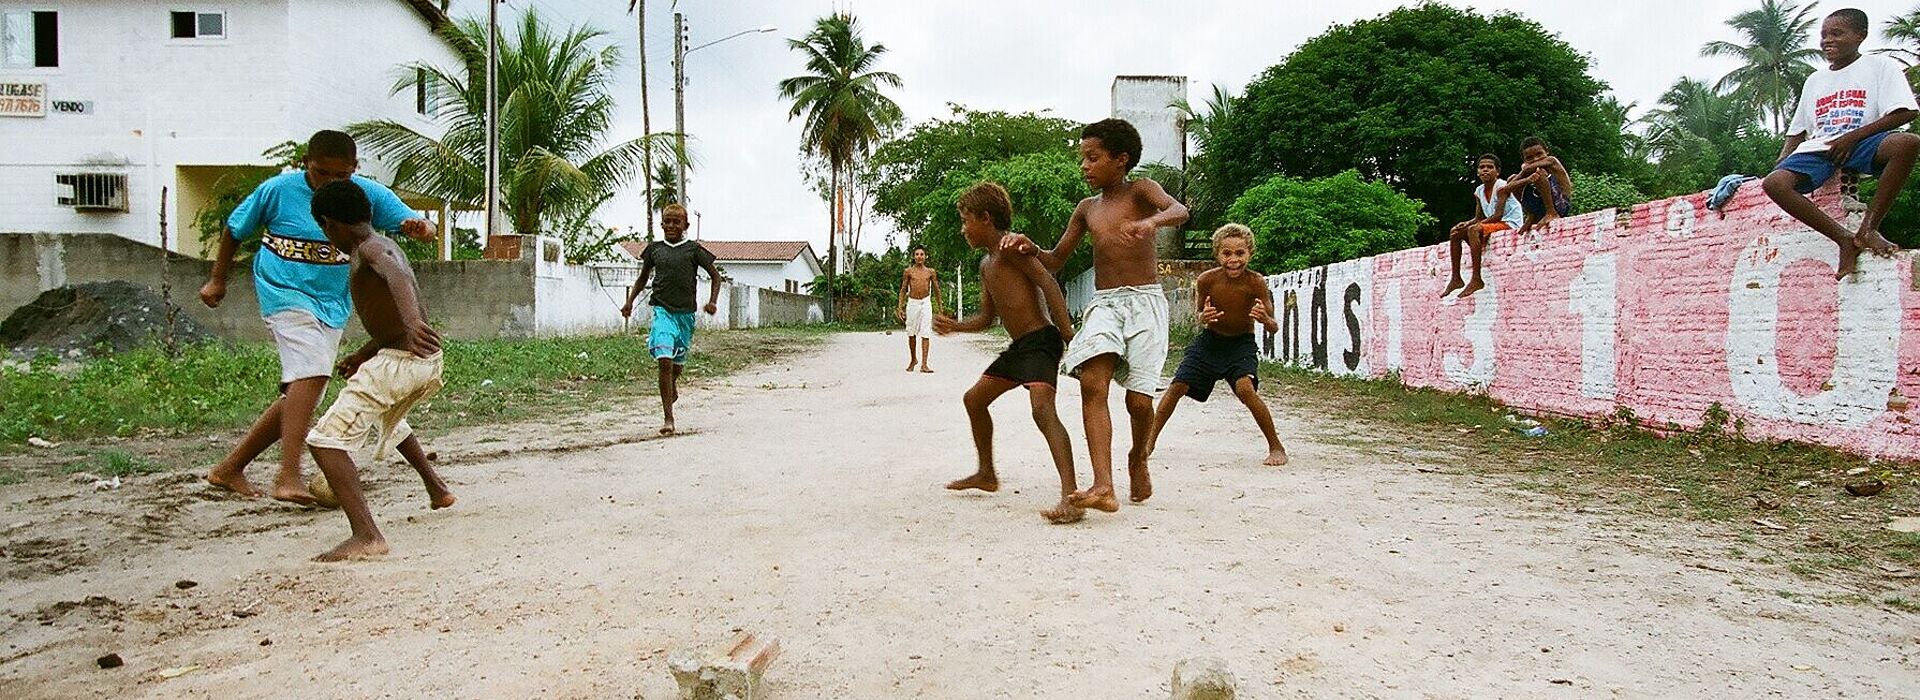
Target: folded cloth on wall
x,y
1723,192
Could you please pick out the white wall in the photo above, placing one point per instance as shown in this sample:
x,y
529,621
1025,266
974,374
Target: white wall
x,y
1143,101
160,102
771,275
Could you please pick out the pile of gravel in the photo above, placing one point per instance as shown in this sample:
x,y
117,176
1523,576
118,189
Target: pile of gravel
x,y
94,318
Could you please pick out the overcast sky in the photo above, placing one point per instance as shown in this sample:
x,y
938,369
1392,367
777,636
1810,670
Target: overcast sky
x,y
1019,55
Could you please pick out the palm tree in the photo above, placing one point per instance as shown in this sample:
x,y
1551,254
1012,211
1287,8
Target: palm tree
x,y
639,9
662,190
1904,32
1697,134
555,111
840,95
1775,61
1196,183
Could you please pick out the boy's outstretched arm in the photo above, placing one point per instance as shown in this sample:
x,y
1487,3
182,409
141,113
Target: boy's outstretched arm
x,y
1056,258
390,264
933,289
972,324
1056,300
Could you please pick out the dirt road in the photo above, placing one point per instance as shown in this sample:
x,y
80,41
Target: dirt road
x,y
808,505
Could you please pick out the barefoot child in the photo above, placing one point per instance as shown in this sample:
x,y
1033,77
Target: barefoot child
x,y
919,296
1012,287
677,260
1545,188
1230,299
1123,338
1495,211
301,282
1850,117
398,368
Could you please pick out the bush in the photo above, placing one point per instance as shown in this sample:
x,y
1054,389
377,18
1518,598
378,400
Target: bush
x,y
1303,223
1602,191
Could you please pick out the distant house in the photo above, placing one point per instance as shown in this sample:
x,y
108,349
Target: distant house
x,y
787,266
114,111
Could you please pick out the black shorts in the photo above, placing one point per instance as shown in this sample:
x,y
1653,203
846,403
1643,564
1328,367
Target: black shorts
x,y
1212,357
1033,358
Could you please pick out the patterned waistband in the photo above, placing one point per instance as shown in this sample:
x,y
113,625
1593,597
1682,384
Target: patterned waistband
x,y
1143,290
299,250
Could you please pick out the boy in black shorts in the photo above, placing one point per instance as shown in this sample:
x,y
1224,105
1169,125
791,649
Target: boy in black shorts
x,y
1012,286
1231,299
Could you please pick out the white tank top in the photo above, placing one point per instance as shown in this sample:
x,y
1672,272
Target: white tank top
x,y
1489,198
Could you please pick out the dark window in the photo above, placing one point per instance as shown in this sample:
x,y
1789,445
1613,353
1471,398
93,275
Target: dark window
x,y
183,25
46,39
199,25
213,24
420,90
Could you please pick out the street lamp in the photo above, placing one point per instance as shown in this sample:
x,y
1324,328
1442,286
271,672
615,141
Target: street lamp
x,y
680,52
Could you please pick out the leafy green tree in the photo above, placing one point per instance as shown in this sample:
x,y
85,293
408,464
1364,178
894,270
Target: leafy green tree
x,y
846,112
555,113
1410,98
1697,134
1903,32
1300,223
1199,185
905,169
1045,188
233,187
1603,191
1774,60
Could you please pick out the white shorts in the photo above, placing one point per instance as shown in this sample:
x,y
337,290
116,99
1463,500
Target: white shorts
x,y
308,348
377,398
920,317
1130,322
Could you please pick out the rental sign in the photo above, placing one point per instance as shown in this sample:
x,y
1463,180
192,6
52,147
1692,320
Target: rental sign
x,y
23,99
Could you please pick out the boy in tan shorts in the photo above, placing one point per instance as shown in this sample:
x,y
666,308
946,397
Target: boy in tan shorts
x,y
398,368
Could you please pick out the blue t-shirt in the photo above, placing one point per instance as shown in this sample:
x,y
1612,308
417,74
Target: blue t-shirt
x,y
284,206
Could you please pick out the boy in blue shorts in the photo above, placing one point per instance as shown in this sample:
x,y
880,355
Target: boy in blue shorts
x,y
301,281
1850,117
676,260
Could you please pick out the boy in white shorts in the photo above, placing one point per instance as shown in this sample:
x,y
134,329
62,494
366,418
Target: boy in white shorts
x,y
398,368
1123,333
300,279
919,295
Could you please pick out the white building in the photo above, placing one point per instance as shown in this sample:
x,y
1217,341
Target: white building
x,y
1147,102
105,104
787,266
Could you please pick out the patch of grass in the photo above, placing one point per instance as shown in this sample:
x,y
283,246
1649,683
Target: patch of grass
x,y
117,463
1902,604
1713,474
215,386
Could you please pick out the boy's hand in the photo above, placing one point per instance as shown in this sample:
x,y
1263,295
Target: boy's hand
x,y
1841,147
1018,243
349,364
1259,311
900,315
1208,314
1139,230
417,229
1066,333
212,292
710,308
421,340
943,324
627,311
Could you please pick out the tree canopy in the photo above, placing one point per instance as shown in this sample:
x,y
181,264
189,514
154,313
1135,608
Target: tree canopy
x,y
1299,223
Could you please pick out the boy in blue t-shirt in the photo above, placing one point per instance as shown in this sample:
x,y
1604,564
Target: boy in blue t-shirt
x,y
301,281
676,261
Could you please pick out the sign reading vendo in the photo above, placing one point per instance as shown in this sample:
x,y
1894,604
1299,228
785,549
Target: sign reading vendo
x,y
23,99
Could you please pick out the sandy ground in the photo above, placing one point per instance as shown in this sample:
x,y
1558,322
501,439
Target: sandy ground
x,y
808,505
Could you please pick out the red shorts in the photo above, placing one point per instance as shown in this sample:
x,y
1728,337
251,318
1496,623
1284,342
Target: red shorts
x,y
1494,227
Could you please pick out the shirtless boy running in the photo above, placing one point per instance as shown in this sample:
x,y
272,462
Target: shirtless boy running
x,y
1012,287
919,296
398,368
1123,336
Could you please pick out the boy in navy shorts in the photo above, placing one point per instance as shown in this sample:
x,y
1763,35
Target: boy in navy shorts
x,y
1850,117
1231,299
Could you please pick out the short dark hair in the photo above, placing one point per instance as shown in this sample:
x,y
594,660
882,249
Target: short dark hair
x,y
1491,157
1532,141
342,201
1855,18
1118,137
991,200
327,143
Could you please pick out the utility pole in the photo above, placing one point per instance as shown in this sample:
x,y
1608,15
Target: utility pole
x,y
680,107
493,119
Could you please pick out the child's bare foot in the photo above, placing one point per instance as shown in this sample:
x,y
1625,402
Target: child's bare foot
x,y
910,366
355,548
293,491
1064,512
1139,482
924,369
1474,286
1871,240
1099,498
1276,457
985,482
1547,220
445,500
235,482
1849,260
1452,284
667,429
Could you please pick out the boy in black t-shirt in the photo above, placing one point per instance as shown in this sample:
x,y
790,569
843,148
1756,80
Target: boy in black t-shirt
x,y
677,260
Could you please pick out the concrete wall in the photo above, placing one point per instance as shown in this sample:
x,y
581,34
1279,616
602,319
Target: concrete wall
x,y
1665,310
771,275
1145,101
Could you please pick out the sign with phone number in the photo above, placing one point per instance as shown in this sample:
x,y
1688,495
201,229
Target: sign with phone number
x,y
19,99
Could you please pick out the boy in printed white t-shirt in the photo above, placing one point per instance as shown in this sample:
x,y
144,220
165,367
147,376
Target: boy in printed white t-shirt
x,y
1851,116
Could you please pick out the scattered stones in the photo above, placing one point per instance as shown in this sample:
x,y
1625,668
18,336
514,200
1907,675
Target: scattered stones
x,y
1866,487
109,661
735,674
1203,678
184,584
1907,524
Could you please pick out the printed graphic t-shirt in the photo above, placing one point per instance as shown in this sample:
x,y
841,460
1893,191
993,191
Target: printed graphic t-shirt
x,y
1835,102
674,268
315,280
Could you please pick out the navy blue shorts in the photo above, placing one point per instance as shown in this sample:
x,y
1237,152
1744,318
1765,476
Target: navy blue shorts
x,y
1536,209
1817,169
1212,357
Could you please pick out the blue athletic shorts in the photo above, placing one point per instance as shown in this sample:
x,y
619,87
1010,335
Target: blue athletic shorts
x,y
671,335
1818,169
